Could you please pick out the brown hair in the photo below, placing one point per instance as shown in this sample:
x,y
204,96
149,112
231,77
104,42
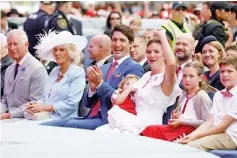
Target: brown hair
x,y
230,60
219,47
125,30
154,40
231,47
199,69
130,76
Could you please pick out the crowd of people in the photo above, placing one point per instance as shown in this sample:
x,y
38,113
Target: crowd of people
x,y
177,83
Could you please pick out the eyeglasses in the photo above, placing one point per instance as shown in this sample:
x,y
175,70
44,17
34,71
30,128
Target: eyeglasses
x,y
114,18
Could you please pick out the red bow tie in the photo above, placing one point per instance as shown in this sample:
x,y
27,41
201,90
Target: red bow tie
x,y
226,94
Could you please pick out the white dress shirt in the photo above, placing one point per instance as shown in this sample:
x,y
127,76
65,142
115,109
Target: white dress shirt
x,y
226,106
101,62
142,62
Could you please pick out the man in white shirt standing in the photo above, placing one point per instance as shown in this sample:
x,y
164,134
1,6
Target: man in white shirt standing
x,y
184,49
138,52
24,79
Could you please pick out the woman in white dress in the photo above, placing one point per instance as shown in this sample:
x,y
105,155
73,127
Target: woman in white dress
x,y
155,91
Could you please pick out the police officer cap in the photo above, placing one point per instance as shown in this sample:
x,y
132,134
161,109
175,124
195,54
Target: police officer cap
x,y
234,9
47,2
177,4
220,5
206,40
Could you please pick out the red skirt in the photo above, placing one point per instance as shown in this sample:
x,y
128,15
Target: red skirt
x,y
166,132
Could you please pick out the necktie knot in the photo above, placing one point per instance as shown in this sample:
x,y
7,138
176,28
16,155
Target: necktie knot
x,y
226,93
114,64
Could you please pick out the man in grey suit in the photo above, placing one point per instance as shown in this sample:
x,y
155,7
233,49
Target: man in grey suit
x,y
138,52
24,79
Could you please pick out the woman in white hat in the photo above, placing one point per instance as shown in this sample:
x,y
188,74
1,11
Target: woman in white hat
x,y
66,83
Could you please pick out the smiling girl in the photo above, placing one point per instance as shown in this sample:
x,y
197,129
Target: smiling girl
x,y
219,132
194,105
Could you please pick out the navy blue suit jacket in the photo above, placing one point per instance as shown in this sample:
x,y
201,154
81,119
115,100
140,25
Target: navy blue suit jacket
x,y
106,89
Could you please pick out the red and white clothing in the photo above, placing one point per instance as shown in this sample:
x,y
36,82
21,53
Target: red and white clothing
x,y
128,104
193,112
151,104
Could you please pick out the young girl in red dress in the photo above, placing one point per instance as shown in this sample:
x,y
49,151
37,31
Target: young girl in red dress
x,y
122,99
193,107
123,96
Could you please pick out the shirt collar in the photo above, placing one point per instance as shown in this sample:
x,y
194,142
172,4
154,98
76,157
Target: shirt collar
x,y
142,62
121,59
23,59
182,65
233,90
101,62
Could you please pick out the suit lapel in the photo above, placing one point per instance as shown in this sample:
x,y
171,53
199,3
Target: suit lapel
x,y
146,67
119,69
106,70
11,77
22,68
92,63
109,60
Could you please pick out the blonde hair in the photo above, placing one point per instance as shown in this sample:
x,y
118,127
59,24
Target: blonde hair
x,y
136,19
81,63
220,49
199,69
128,77
73,53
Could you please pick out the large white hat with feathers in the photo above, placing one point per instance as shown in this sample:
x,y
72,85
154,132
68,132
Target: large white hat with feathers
x,y
48,41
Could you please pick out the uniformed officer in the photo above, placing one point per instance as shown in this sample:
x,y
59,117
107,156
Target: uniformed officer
x,y
35,23
60,19
175,26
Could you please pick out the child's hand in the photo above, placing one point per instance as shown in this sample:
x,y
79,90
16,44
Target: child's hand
x,y
174,122
175,114
187,139
131,87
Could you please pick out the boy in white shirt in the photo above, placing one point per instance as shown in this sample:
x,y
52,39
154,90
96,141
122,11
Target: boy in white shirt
x,y
220,131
